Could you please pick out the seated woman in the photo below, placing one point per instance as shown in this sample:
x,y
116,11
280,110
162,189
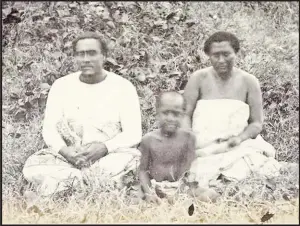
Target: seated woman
x,y
225,111
92,122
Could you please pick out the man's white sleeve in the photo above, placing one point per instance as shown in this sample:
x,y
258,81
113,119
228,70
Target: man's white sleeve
x,y
53,114
130,117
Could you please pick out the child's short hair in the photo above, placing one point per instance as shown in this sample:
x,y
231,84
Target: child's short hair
x,y
172,92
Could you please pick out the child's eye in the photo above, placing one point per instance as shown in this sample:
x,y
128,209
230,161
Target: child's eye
x,y
176,114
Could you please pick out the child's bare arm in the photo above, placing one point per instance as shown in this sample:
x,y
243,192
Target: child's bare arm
x,y
144,167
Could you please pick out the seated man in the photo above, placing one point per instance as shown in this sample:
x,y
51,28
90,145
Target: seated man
x,y
168,152
92,122
225,111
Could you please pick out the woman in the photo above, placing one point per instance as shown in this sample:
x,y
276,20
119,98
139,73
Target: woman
x,y
92,122
224,109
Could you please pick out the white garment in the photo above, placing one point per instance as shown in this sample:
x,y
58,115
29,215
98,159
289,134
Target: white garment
x,y
222,118
108,111
51,173
213,119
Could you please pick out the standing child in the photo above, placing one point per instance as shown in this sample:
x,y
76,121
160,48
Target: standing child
x,y
167,153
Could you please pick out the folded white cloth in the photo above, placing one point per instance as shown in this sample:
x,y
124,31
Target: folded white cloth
x,y
52,173
220,119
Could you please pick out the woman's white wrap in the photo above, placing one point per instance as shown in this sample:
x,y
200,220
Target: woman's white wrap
x,y
223,118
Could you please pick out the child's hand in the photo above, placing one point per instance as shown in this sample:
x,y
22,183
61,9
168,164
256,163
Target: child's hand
x,y
153,199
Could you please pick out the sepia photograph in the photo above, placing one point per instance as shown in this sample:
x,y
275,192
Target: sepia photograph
x,y
182,112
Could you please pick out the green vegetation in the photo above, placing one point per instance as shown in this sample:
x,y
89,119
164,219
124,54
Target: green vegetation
x,y
156,45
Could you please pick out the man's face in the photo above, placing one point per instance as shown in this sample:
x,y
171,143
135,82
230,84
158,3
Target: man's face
x,y
89,56
222,57
170,113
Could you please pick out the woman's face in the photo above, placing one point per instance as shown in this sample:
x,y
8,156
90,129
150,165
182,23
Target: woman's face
x,y
222,57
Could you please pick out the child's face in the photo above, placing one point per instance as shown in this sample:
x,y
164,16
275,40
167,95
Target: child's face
x,y
170,113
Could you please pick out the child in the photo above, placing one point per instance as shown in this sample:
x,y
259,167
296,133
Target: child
x,y
168,152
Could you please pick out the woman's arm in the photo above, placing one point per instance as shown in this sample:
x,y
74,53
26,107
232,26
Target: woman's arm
x,y
254,100
191,94
190,154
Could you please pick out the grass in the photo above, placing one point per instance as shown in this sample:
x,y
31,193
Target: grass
x,y
112,209
146,44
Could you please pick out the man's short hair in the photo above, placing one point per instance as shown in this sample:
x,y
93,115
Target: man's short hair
x,y
222,36
93,35
159,97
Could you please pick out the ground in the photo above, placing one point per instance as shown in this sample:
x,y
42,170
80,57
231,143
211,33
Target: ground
x,y
156,45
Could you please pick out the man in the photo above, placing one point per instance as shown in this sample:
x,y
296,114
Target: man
x,y
92,121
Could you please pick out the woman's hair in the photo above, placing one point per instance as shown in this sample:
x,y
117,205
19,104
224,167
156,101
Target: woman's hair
x,y
93,35
222,36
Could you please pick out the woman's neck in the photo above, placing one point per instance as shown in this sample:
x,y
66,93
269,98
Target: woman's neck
x,y
224,77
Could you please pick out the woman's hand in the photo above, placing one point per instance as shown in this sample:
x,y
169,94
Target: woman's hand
x,y
234,141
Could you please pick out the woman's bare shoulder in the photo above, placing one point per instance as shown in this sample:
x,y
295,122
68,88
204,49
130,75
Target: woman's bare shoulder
x,y
248,78
199,77
202,73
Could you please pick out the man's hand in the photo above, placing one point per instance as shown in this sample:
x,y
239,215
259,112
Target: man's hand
x,y
152,198
234,141
81,162
70,154
90,154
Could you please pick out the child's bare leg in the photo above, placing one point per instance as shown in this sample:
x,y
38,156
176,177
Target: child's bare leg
x,y
136,195
152,197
